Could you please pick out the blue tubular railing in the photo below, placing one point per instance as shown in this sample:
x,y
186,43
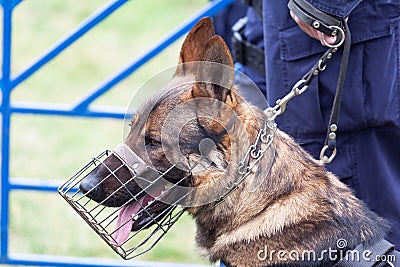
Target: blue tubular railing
x,y
80,109
5,129
155,50
64,43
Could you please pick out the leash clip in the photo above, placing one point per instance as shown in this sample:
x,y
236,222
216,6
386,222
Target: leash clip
x,y
299,88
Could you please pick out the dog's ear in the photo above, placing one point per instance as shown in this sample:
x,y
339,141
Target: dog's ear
x,y
193,47
214,78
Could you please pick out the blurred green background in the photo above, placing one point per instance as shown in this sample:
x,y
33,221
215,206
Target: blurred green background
x,y
54,148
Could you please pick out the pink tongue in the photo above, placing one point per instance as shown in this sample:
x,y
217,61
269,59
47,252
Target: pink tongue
x,y
125,222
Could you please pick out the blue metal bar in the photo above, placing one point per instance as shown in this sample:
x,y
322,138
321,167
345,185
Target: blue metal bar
x,y
209,10
16,3
66,110
5,129
58,47
34,184
41,260
7,20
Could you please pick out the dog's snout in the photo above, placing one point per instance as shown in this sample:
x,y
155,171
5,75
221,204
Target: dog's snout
x,y
90,186
87,184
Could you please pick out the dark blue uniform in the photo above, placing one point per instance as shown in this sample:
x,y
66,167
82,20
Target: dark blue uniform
x,y
368,157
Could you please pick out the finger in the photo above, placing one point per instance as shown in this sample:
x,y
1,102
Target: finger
x,y
321,38
330,39
326,39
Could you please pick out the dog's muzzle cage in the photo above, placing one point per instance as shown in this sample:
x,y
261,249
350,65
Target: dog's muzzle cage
x,y
106,221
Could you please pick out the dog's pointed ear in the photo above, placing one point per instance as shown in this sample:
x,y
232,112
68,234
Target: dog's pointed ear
x,y
193,47
214,77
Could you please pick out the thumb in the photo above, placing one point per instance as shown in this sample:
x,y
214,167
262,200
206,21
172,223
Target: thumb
x,y
326,39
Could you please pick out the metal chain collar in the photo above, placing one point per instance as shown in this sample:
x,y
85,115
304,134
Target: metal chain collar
x,y
253,155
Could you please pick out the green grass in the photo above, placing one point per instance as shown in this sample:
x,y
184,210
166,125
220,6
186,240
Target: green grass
x,y
54,148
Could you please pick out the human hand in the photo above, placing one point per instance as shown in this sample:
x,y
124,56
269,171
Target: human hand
x,y
323,38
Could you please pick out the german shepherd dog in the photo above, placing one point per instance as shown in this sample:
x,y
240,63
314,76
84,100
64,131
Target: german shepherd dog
x,y
299,206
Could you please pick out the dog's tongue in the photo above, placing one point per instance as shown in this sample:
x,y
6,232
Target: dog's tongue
x,y
125,222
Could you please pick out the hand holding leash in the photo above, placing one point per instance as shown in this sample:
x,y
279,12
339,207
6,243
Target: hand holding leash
x,y
312,32
328,29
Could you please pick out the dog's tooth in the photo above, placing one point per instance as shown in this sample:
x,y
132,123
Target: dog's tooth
x,y
135,217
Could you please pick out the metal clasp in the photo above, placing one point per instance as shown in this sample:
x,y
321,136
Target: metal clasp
x,y
325,159
296,91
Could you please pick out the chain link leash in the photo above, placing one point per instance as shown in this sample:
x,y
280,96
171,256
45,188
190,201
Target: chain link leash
x,y
266,135
255,151
302,85
299,88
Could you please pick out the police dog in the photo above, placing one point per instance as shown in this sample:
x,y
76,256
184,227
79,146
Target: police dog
x,y
298,206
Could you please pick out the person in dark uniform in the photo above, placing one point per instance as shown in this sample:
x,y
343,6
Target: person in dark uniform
x,y
368,142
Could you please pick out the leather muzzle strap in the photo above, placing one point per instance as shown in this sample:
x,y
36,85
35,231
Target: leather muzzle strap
x,y
134,163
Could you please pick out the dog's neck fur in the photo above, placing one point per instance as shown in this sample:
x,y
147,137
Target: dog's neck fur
x,y
298,195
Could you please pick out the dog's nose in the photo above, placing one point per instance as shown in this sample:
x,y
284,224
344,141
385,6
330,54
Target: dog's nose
x,y
91,187
87,184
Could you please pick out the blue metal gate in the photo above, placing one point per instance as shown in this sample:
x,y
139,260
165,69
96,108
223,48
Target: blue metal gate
x,y
9,82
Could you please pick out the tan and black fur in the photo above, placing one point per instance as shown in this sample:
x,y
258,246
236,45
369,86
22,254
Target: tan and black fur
x,y
300,206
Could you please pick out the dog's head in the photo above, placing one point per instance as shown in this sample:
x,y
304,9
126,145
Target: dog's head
x,y
187,135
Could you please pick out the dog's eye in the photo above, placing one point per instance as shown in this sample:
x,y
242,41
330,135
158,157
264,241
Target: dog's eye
x,y
152,142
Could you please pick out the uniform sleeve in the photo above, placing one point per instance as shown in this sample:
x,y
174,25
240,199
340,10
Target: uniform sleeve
x,y
340,8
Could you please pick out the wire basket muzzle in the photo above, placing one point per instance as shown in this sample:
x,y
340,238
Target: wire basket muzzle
x,y
133,226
